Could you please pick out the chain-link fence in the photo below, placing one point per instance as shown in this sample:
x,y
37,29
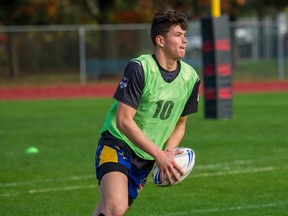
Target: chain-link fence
x,y
89,52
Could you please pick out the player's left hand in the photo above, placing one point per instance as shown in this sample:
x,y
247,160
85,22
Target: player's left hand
x,y
170,168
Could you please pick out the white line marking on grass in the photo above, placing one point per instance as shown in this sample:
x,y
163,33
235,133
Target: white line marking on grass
x,y
235,172
224,165
77,187
228,209
47,190
76,178
71,178
236,208
68,188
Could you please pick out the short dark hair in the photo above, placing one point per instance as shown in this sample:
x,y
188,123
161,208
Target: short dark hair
x,y
164,20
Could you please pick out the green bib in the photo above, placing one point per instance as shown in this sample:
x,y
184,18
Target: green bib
x,y
160,107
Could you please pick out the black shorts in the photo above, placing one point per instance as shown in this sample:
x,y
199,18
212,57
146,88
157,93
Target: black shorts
x,y
114,155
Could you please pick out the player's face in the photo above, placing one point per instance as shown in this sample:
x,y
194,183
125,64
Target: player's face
x,y
175,42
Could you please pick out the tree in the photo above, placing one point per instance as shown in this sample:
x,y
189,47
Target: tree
x,y
37,12
264,7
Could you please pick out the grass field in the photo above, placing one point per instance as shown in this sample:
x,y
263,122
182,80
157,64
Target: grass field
x,y
241,166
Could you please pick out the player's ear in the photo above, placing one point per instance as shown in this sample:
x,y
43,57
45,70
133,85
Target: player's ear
x,y
159,40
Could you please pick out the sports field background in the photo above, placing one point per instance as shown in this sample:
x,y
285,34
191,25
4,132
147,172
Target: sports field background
x,y
241,163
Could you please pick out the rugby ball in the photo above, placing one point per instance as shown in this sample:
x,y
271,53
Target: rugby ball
x,y
185,160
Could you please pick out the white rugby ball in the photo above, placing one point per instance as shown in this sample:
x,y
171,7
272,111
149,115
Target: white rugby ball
x,y
185,160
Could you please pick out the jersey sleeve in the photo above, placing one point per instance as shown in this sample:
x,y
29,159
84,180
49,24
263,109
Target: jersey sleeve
x,y
130,88
192,103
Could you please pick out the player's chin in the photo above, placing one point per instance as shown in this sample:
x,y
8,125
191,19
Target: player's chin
x,y
181,54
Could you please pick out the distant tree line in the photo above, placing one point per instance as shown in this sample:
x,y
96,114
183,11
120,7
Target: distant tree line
x,y
54,12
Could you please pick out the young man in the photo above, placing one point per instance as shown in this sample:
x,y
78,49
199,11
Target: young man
x,y
147,120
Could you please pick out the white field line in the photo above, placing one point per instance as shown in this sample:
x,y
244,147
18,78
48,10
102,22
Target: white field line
x,y
232,172
228,209
77,187
225,165
24,183
218,166
47,190
235,172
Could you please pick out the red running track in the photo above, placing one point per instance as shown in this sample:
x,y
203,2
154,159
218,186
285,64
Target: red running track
x,y
91,91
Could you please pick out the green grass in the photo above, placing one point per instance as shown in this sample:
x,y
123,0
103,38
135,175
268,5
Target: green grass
x,y
52,78
241,166
265,69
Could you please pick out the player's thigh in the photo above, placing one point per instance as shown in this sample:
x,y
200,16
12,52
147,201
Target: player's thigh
x,y
114,189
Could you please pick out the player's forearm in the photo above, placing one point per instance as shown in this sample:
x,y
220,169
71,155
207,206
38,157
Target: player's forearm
x,y
131,130
127,125
177,134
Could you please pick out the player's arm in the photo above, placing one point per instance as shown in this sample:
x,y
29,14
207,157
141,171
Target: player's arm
x,y
128,96
164,159
177,134
127,125
191,106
